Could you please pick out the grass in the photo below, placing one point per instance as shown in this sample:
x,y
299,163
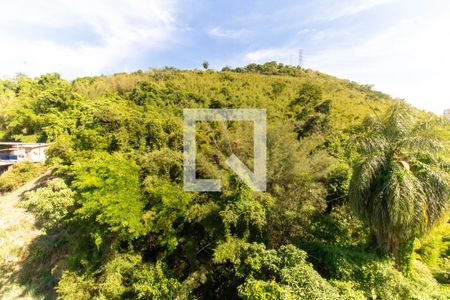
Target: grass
x,y
17,233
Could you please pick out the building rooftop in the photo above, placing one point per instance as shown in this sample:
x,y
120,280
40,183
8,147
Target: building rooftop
x,y
24,145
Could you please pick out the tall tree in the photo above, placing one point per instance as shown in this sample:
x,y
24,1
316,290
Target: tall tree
x,y
400,185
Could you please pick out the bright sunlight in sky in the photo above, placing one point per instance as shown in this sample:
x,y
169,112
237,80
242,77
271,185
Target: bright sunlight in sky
x,y
402,47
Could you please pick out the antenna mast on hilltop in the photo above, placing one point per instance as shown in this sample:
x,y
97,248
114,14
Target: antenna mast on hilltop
x,y
300,58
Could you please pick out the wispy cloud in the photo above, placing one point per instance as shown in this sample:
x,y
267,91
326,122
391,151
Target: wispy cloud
x,y
401,46
219,32
122,29
340,9
408,60
281,54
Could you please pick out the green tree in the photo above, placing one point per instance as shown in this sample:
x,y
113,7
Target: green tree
x,y
108,191
399,185
311,113
50,203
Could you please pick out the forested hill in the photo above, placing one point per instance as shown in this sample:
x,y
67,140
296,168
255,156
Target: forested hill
x,y
269,86
356,204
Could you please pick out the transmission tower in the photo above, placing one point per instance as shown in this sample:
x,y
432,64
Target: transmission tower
x,y
300,58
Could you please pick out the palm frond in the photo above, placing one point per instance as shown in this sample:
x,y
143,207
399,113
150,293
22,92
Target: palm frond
x,y
371,144
401,184
435,184
362,181
421,144
398,123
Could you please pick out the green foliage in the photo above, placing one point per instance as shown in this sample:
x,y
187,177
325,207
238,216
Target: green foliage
x,y
434,250
311,113
400,185
263,290
150,282
74,287
19,174
120,226
382,281
168,213
244,210
108,193
337,182
269,274
50,204
339,227
348,290
306,283
145,92
354,271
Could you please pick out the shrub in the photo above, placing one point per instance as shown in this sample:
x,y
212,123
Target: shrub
x,y
75,287
270,274
50,204
348,290
380,280
151,282
18,175
123,277
264,290
354,271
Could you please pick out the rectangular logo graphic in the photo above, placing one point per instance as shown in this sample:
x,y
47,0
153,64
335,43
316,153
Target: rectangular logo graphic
x,y
256,180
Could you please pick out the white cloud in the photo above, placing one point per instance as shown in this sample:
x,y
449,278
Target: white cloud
x,y
409,60
347,8
123,29
219,32
268,54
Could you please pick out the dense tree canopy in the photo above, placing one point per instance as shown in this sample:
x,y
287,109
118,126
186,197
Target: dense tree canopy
x,y
122,226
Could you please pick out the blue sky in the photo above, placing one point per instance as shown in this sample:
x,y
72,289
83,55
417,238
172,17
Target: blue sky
x,y
402,47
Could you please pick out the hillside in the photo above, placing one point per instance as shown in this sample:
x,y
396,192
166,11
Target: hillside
x,y
117,224
238,88
17,231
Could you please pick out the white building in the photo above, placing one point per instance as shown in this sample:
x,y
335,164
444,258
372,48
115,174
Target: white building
x,y
15,152
447,113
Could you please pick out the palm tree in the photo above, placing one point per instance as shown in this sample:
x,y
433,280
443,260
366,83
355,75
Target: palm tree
x,y
400,184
